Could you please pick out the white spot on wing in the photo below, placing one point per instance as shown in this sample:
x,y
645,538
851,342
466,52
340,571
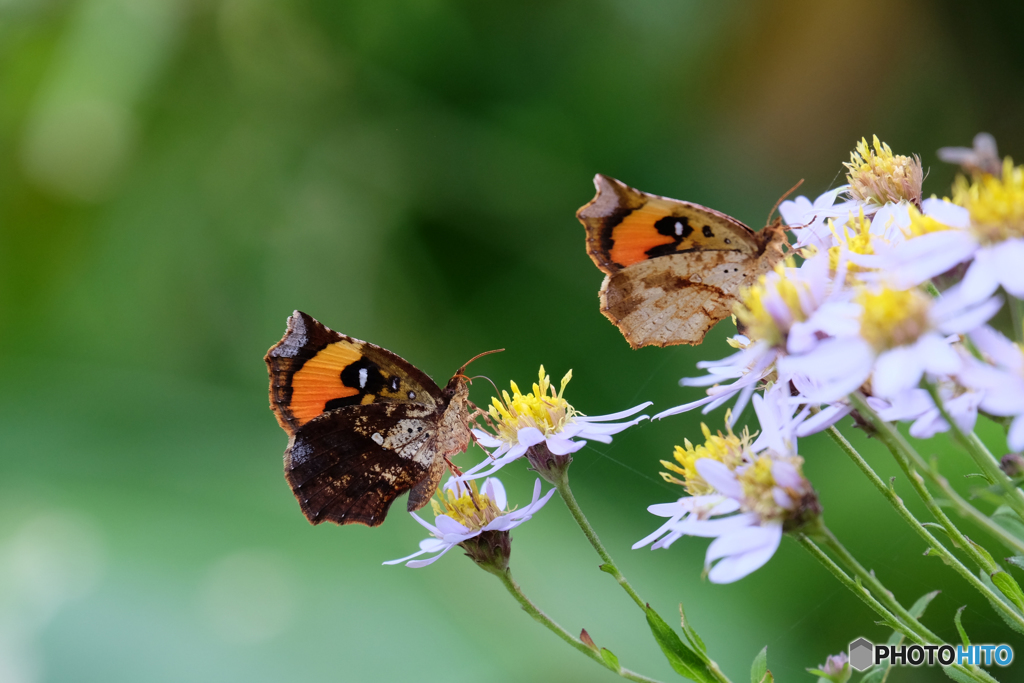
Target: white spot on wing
x,y
363,376
377,439
679,228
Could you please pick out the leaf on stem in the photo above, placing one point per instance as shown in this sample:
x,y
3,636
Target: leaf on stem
x,y
587,640
683,660
960,627
918,608
1008,587
759,672
1005,517
611,660
691,635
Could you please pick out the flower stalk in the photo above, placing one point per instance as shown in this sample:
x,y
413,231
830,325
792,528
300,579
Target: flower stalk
x,y
593,653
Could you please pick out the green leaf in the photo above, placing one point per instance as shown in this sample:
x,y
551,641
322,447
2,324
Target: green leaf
x,y
918,608
1005,517
1017,561
1001,603
1008,587
691,635
960,627
959,676
681,658
759,669
610,659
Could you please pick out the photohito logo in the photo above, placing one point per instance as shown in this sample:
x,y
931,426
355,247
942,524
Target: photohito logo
x,y
864,654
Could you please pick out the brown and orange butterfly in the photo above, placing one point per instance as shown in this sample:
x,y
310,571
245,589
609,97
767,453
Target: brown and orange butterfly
x,y
364,425
673,268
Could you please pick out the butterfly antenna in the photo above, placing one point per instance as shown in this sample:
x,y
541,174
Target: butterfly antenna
x,y
479,355
783,198
496,392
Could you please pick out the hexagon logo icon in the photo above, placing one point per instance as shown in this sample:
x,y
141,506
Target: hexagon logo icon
x,y
861,654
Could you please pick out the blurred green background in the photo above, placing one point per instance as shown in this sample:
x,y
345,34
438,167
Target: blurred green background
x,y
176,176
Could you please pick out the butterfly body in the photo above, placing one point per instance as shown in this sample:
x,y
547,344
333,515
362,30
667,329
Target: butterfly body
x,y
672,269
364,425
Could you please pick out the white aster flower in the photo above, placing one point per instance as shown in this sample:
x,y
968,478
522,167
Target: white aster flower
x,y
465,513
985,227
521,421
902,337
740,498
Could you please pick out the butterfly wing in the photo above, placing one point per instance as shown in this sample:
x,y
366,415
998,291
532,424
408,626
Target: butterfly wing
x,y
673,269
348,465
314,369
363,424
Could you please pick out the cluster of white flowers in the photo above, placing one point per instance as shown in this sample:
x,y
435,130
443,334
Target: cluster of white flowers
x,y
893,291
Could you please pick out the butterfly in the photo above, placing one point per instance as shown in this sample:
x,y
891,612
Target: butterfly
x,y
673,268
364,426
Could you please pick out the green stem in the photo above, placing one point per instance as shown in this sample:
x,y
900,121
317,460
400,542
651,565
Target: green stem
x,y
1016,319
884,595
865,596
904,454
982,456
962,506
551,625
562,484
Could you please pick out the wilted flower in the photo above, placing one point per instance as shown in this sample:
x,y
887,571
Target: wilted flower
x,y
878,176
475,519
983,157
543,416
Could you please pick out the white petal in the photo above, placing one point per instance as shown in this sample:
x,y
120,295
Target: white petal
x,y
824,419
529,436
786,475
736,567
409,557
658,533
416,564
614,416
710,528
495,490
449,527
744,540
1015,437
486,440
564,446
896,370
720,477
946,213
980,279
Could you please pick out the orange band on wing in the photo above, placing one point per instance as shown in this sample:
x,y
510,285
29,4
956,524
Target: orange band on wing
x,y
319,380
635,235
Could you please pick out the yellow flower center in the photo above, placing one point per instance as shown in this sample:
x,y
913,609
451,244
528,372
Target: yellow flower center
x,y
541,408
755,306
728,449
893,318
757,482
996,204
878,176
857,237
472,509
